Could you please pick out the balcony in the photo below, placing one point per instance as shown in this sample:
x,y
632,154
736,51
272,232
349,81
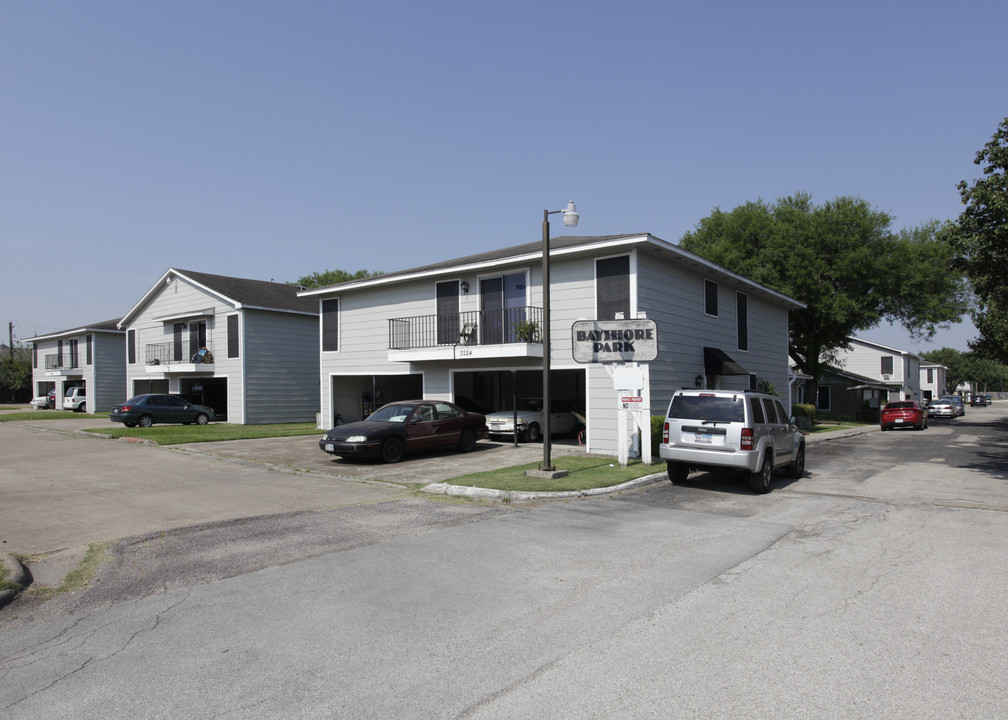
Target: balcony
x,y
62,365
173,357
509,332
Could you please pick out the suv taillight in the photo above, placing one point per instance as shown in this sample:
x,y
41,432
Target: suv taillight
x,y
747,438
664,435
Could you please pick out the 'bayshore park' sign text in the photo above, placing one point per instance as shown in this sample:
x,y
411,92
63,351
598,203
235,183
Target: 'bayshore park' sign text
x,y
614,341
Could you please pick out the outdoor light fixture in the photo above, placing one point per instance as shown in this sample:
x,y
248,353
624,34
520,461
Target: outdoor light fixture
x,y
465,287
570,219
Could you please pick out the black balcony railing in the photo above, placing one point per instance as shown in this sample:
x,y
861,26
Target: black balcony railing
x,y
478,327
170,352
66,361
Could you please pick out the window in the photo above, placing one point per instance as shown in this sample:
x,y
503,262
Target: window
x,y
823,398
742,318
710,298
197,336
330,324
887,365
757,411
34,355
177,330
131,346
89,357
74,354
612,288
232,336
930,375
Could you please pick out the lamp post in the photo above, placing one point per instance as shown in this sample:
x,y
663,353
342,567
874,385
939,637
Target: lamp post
x,y
570,219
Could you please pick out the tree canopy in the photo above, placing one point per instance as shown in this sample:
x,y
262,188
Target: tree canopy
x,y
334,277
842,260
981,240
983,374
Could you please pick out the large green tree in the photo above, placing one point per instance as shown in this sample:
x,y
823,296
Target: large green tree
x,y
15,374
333,277
981,239
842,260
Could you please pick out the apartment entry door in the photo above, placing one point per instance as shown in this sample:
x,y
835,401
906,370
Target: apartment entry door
x,y
503,304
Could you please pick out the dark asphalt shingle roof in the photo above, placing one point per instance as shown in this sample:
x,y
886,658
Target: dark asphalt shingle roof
x,y
254,293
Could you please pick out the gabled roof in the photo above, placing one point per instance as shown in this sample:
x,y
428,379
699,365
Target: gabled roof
x,y
560,246
104,326
883,348
241,293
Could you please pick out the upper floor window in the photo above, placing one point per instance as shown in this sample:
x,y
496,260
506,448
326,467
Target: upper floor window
x,y
612,288
330,324
742,319
710,298
930,375
232,336
131,346
88,353
887,364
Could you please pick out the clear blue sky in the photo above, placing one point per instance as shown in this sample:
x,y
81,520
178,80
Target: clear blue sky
x,y
274,139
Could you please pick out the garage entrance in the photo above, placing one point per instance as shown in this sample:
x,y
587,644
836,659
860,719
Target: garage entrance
x,y
491,390
211,392
354,397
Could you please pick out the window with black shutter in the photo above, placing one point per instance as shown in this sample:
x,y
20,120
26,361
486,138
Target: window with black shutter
x,y
131,346
330,324
232,336
710,298
742,318
89,358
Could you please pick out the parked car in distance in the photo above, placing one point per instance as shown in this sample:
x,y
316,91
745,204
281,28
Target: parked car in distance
x,y
145,410
957,403
904,413
941,408
563,420
398,428
43,402
75,399
979,400
736,429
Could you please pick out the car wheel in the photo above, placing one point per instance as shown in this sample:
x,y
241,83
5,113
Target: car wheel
x,y
82,407
796,469
533,434
759,481
392,450
202,419
468,441
145,421
677,472
130,424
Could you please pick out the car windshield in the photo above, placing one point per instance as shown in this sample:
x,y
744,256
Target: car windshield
x,y
531,405
708,407
392,414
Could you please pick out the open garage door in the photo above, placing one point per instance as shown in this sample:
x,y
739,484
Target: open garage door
x,y
211,392
487,391
354,397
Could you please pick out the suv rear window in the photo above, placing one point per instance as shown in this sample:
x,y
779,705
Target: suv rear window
x,y
700,407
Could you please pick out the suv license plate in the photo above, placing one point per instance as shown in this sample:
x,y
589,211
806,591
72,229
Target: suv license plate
x,y
329,447
703,438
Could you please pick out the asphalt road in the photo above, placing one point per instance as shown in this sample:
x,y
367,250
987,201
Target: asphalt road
x,y
872,587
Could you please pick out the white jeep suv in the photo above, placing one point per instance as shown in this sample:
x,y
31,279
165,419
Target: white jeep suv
x,y
731,428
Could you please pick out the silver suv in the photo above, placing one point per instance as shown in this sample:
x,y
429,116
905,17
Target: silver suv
x,y
731,428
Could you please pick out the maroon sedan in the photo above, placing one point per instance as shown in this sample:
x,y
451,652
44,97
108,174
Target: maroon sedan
x,y
906,413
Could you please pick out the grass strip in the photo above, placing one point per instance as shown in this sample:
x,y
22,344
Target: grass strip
x,y
47,415
214,432
586,472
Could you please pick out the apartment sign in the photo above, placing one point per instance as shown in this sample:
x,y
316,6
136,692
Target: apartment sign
x,y
614,341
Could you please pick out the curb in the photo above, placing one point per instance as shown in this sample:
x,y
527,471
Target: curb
x,y
518,495
16,573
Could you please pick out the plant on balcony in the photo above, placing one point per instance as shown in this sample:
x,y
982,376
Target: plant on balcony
x,y
527,331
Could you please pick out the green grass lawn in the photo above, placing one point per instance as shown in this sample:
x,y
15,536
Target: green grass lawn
x,y
586,472
178,434
48,415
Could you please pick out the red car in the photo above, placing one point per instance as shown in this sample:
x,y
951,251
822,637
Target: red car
x,y
906,413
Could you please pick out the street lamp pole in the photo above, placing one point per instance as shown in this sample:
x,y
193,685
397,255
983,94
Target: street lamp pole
x,y
570,219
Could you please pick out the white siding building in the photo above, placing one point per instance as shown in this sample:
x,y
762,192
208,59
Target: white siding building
x,y
468,330
898,370
932,380
92,357
246,348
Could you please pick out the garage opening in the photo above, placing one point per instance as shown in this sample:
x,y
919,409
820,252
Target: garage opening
x,y
354,397
490,391
211,392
